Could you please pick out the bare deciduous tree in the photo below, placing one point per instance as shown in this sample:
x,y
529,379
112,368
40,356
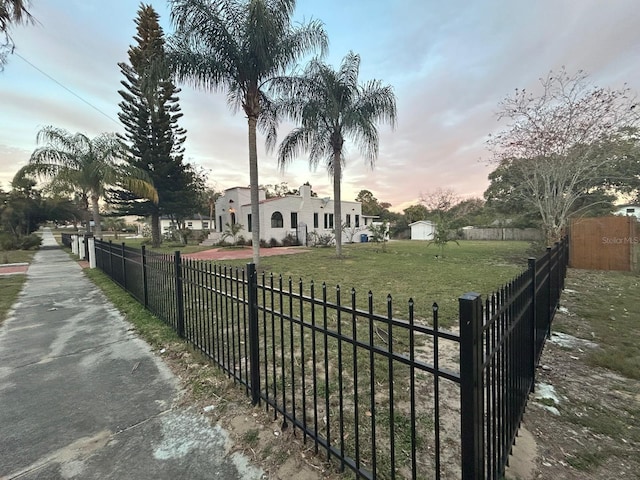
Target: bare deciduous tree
x,y
440,200
561,144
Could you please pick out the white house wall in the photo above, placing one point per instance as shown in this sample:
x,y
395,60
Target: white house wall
x,y
629,210
304,205
191,224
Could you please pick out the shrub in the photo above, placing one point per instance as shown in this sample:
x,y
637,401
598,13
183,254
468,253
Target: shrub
x,y
8,242
273,242
29,242
25,242
290,240
316,239
380,234
202,235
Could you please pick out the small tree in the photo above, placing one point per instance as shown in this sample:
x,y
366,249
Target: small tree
x,y
350,231
232,230
442,236
440,205
380,234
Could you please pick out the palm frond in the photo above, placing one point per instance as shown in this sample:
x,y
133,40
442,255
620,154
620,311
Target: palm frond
x,y
349,70
291,146
268,121
330,106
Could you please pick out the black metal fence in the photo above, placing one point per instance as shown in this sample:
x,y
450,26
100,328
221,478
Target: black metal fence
x,y
501,345
65,239
378,394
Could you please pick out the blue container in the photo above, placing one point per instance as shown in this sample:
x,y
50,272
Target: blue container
x,y
364,238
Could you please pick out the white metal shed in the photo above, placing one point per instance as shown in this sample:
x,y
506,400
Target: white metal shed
x,y
422,230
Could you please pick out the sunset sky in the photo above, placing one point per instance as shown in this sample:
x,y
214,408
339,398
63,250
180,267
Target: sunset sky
x,y
449,62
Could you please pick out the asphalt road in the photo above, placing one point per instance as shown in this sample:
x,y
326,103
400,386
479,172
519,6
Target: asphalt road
x,y
81,397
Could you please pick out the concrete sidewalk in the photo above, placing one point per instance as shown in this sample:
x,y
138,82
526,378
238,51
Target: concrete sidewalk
x,y
81,397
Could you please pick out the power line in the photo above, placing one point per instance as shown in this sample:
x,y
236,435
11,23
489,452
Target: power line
x,y
66,88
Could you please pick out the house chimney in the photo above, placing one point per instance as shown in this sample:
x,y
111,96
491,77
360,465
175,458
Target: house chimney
x,y
305,191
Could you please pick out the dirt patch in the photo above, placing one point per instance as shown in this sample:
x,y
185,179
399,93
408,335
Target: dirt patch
x,y
585,420
281,452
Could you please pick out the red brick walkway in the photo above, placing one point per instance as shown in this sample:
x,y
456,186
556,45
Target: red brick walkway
x,y
238,253
13,268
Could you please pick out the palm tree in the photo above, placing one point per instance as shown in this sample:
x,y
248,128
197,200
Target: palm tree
x,y
77,163
331,107
239,46
11,12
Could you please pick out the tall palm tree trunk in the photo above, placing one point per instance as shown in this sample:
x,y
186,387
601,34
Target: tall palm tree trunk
x,y
155,229
95,211
253,183
337,201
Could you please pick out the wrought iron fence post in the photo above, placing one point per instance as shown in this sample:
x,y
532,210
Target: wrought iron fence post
x,y
471,387
145,294
124,266
565,259
534,320
549,314
254,351
179,299
558,277
110,259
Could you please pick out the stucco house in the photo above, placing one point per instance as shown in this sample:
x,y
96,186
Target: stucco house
x,y
422,230
295,216
196,222
628,210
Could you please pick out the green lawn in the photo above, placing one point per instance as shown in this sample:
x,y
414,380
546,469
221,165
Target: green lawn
x,y
10,285
16,256
406,269
608,313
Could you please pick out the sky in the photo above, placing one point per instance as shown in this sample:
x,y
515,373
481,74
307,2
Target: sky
x,y
450,63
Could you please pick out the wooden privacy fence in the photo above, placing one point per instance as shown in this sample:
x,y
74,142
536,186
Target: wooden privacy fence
x,y
520,234
604,243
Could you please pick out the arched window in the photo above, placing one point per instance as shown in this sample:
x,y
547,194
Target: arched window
x,y
233,218
276,220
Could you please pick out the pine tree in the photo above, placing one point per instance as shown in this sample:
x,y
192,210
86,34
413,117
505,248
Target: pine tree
x,y
150,113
